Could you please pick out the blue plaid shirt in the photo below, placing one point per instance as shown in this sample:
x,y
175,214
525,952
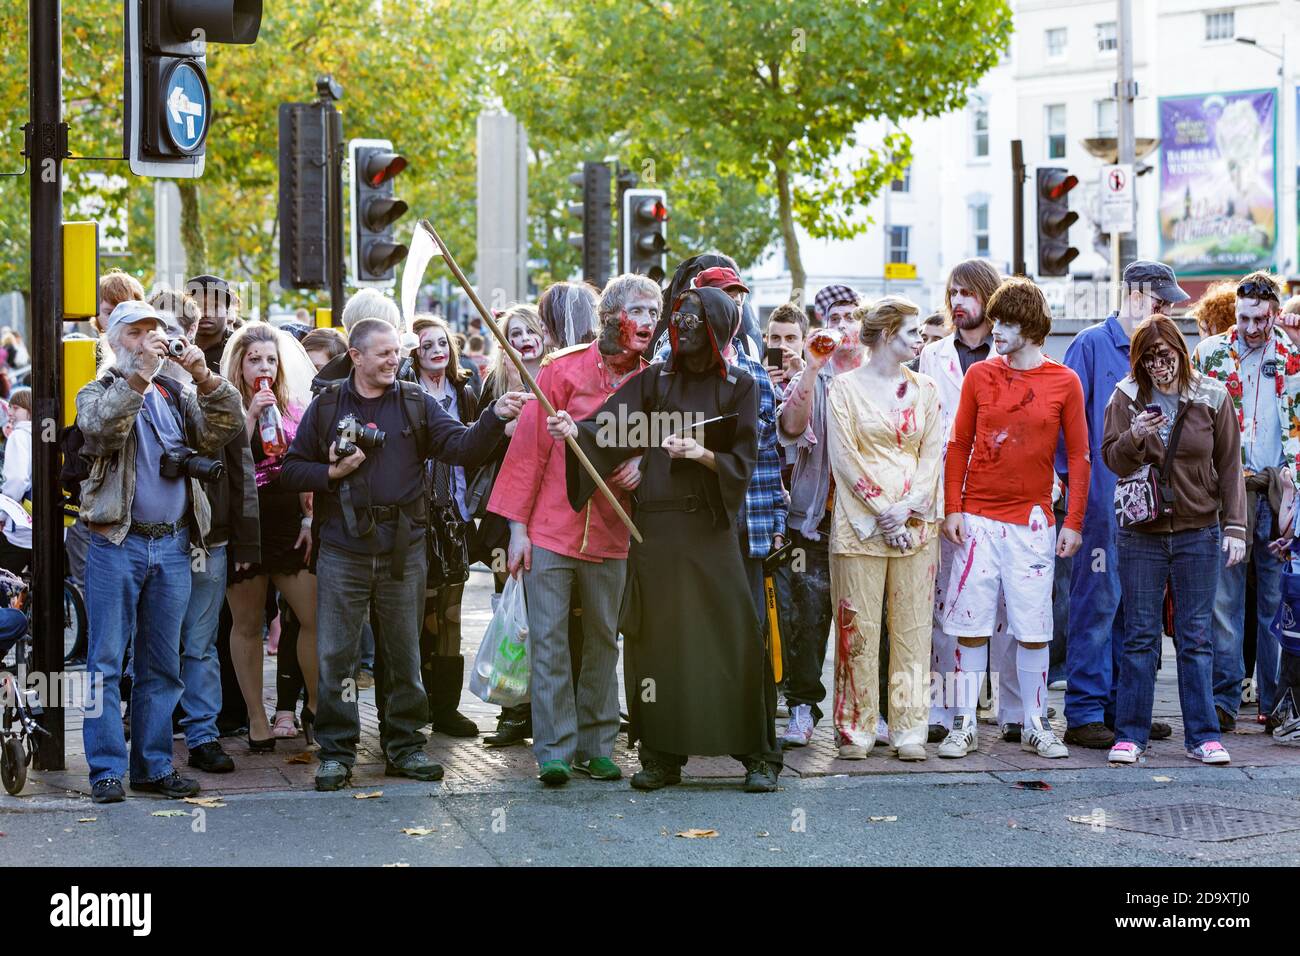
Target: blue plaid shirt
x,y
765,505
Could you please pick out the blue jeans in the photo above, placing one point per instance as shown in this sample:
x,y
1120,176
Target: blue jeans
x,y
139,587
1189,562
351,586
1096,625
200,669
1230,620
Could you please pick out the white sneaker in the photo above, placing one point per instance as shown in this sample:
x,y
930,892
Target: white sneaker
x,y
882,731
1057,685
1287,732
1037,736
853,752
911,752
1209,752
961,740
799,731
1124,752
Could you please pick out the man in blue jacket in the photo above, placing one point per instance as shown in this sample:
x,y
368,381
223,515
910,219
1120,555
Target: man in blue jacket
x,y
1099,355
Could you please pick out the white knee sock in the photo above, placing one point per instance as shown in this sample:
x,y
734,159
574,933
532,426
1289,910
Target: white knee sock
x,y
1031,668
971,663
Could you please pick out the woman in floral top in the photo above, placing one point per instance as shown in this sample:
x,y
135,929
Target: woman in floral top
x,y
886,452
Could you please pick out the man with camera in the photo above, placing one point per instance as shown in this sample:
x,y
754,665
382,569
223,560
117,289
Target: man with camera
x,y
141,502
361,448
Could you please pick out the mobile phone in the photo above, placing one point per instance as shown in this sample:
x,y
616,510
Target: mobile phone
x,y
774,357
1153,409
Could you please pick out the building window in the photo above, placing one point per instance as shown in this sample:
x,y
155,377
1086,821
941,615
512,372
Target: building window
x,y
1107,37
1055,124
903,185
980,128
1220,26
1107,120
1056,43
979,220
898,243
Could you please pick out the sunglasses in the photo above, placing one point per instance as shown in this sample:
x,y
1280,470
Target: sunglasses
x,y
1256,290
685,322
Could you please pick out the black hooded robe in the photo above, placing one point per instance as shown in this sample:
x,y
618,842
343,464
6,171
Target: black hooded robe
x,y
694,659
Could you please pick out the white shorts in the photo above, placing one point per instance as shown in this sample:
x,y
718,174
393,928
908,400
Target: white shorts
x,y
1001,561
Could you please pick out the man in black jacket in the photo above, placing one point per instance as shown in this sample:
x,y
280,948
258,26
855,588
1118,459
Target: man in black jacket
x,y
234,535
372,506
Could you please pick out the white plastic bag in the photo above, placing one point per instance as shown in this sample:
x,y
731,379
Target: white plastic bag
x,y
501,667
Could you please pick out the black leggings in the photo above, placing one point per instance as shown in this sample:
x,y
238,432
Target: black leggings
x,y
289,684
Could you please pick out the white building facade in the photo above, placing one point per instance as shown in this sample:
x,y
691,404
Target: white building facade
x,y
1054,89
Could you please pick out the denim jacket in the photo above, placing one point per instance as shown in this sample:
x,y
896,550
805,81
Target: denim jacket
x,y
106,415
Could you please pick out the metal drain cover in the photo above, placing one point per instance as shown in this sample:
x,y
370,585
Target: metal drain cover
x,y
1204,822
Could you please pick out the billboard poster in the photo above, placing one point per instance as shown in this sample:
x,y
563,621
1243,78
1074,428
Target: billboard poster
x,y
1218,184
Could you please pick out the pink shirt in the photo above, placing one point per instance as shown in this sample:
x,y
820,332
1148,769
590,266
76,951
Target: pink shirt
x,y
530,486
268,469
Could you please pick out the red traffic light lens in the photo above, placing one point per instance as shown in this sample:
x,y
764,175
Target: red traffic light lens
x,y
660,212
1063,187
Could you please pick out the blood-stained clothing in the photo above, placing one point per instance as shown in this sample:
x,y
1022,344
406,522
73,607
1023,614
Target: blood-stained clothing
x,y
999,462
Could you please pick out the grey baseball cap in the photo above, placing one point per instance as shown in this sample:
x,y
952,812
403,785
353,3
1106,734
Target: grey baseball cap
x,y
132,311
1155,277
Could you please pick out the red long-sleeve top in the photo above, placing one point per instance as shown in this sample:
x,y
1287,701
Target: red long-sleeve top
x,y
999,462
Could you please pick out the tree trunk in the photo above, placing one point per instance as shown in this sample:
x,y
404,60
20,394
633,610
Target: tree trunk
x,y
196,248
793,261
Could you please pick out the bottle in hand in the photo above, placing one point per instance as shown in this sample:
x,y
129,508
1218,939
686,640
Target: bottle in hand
x,y
269,425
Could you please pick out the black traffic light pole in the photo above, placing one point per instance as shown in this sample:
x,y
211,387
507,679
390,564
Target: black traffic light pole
x,y
47,147
1017,208
329,91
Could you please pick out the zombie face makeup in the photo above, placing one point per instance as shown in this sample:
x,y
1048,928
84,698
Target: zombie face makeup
x,y
840,318
434,350
636,324
692,336
905,344
1161,363
523,340
966,309
1007,338
1255,319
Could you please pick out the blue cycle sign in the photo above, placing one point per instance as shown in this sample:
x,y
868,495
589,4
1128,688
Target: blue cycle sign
x,y
186,106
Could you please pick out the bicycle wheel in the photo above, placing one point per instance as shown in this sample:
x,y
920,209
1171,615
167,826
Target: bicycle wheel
x,y
74,623
13,766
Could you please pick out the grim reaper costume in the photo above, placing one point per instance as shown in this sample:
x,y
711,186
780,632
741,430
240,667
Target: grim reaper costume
x,y
695,666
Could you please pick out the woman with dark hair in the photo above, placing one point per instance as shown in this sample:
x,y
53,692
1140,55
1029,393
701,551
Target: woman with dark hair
x,y
568,314
1165,406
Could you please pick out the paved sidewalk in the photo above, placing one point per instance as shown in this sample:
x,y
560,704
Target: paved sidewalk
x,y
471,765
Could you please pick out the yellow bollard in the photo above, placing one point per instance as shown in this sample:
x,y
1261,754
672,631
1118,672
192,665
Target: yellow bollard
x,y
80,269
78,369
324,317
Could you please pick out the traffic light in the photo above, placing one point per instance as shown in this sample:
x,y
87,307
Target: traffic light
x,y
645,232
374,209
168,105
592,209
303,221
1054,220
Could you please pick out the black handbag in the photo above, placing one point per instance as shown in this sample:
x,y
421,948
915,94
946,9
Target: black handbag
x,y
1148,494
447,542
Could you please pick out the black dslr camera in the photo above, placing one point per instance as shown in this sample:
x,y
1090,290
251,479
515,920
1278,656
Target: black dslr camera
x,y
187,463
350,433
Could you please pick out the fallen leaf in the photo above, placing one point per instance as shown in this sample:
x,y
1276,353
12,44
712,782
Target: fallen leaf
x,y
696,834
882,819
208,803
303,757
88,819
1087,819
1163,779
1032,785
763,833
418,831
169,813
367,796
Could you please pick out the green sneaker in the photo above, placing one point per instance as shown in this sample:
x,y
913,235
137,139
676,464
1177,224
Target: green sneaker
x,y
554,773
599,768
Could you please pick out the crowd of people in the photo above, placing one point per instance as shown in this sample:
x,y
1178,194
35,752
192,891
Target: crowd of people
x,y
962,518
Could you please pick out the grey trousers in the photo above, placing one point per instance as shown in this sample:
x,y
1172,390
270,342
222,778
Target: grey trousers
x,y
571,724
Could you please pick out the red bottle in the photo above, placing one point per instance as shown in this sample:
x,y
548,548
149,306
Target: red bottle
x,y
269,425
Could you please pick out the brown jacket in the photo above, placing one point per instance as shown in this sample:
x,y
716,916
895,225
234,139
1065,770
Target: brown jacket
x,y
1207,474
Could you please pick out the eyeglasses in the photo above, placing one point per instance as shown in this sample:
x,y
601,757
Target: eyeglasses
x,y
1255,289
1159,357
686,322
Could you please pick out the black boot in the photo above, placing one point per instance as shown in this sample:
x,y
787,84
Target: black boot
x,y
446,675
514,726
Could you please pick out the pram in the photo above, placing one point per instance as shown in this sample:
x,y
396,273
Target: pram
x,y
21,706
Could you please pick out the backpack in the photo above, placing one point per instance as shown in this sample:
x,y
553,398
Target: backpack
x,y
76,464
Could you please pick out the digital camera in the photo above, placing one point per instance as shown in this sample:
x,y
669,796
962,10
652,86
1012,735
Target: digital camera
x,y
187,463
350,433
176,347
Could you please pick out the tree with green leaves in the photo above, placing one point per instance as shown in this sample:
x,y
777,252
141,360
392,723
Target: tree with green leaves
x,y
772,93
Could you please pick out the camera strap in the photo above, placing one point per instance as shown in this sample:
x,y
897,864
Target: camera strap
x,y
148,417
